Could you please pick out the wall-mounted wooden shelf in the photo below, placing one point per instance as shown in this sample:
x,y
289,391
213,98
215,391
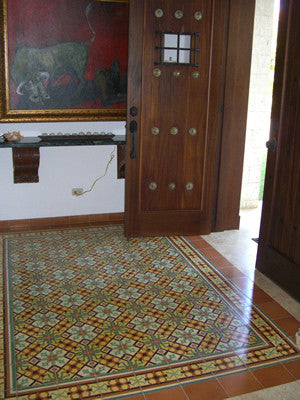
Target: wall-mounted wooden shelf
x,y
26,154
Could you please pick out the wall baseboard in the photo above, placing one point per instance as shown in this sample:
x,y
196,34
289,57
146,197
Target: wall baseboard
x,y
61,222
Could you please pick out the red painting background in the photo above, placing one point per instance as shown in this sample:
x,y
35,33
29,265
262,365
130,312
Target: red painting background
x,y
40,23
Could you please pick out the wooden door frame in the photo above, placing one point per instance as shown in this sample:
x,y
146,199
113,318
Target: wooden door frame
x,y
134,81
228,180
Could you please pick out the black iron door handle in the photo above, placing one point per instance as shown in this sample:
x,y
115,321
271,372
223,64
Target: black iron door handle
x,y
133,111
271,144
133,130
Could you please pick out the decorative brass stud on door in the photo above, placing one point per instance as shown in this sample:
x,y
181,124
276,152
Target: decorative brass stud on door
x,y
178,14
157,72
193,131
198,15
189,185
154,130
153,186
174,130
159,13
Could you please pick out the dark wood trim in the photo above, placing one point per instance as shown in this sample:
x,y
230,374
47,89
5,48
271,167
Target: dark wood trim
x,y
121,161
59,222
237,79
134,81
221,17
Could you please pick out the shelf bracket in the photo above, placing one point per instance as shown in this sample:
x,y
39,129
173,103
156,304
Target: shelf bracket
x,y
26,162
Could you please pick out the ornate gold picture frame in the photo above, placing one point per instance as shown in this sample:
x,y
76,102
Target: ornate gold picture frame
x,y
63,60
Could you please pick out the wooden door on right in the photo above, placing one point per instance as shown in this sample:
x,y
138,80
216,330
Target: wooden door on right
x,y
279,241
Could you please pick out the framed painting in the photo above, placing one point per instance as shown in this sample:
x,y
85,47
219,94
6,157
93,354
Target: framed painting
x,y
63,60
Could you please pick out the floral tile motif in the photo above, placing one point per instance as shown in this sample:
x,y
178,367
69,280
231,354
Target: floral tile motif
x,y
89,314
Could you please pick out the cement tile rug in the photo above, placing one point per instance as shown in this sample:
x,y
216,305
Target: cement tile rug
x,y
90,315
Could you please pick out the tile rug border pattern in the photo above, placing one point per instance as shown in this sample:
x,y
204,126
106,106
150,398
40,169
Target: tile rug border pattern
x,y
280,347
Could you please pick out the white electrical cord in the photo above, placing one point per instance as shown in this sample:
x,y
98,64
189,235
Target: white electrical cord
x,y
111,157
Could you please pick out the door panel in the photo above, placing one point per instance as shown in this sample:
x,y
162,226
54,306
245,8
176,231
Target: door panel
x,y
169,184
182,104
279,243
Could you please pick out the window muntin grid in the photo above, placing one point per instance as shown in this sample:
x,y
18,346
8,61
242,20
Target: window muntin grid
x,y
178,48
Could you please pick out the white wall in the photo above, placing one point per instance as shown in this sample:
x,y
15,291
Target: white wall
x,y
61,169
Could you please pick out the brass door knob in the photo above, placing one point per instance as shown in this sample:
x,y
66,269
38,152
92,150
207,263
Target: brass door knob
x,y
271,144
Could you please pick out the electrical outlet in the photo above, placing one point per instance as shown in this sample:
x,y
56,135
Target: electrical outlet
x,y
77,191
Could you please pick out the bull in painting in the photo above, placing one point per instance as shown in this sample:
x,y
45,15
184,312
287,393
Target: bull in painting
x,y
36,69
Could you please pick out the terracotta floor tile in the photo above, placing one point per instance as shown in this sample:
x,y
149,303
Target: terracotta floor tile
x,y
290,325
232,272
198,242
208,390
259,296
245,284
274,310
175,393
221,262
193,237
293,367
211,253
273,375
241,383
137,397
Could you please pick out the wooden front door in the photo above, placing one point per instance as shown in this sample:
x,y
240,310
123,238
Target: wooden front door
x,y
279,241
174,96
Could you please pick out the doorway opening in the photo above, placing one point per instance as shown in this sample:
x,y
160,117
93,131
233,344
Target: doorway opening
x,y
259,105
